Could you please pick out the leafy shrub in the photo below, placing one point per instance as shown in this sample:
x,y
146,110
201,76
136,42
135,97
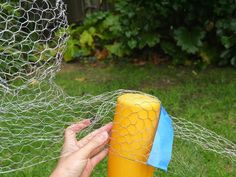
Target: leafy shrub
x,y
188,31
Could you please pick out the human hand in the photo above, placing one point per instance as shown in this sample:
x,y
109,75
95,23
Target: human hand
x,y
78,158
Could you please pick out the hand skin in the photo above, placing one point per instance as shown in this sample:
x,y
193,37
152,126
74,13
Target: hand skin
x,y
78,158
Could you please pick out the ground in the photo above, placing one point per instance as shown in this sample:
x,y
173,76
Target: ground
x,y
206,97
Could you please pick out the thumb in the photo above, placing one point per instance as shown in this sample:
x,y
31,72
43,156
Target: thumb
x,y
93,144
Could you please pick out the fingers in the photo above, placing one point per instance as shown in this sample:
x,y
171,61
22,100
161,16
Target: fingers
x,y
99,157
70,132
93,144
94,161
100,148
90,136
90,150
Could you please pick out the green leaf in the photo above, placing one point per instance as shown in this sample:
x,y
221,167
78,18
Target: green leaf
x,y
149,39
110,20
189,40
132,32
92,30
132,43
86,39
169,48
226,24
228,41
233,61
70,50
233,24
83,52
225,54
209,54
94,18
112,23
116,49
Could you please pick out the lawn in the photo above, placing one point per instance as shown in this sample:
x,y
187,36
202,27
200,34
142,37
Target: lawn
x,y
205,97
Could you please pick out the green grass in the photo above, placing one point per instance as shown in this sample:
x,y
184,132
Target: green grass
x,y
207,98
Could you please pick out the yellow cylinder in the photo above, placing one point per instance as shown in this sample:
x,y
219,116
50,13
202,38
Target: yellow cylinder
x,y
135,123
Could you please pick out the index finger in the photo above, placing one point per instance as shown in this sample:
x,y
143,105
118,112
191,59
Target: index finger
x,y
70,132
81,143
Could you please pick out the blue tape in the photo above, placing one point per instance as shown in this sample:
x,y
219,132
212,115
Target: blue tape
x,y
161,151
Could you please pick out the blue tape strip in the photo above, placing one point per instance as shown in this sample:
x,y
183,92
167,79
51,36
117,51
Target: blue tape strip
x,y
161,151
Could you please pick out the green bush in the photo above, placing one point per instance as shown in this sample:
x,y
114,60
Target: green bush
x,y
188,31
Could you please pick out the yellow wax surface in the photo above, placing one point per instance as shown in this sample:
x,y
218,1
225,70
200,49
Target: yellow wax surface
x,y
135,123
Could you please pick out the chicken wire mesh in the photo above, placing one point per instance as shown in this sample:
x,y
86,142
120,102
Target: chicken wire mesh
x,y
32,38
34,111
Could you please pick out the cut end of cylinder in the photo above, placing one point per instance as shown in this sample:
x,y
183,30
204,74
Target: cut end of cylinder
x,y
141,100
